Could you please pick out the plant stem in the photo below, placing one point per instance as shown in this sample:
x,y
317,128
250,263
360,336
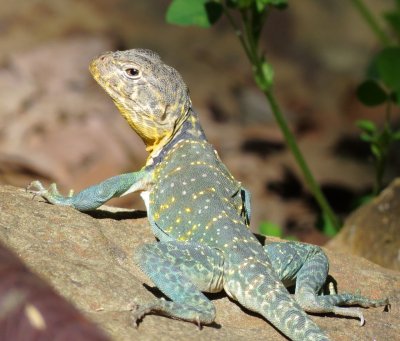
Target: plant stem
x,y
238,32
291,141
251,47
383,145
371,22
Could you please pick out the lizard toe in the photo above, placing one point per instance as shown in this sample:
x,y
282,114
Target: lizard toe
x,y
36,188
138,311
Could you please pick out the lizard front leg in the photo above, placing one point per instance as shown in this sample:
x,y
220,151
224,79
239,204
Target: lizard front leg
x,y
181,271
96,195
307,266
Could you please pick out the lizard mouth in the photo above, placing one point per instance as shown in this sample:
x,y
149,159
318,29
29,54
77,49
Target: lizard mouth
x,y
94,68
98,67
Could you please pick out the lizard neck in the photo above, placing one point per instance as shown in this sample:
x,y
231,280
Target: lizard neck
x,y
186,128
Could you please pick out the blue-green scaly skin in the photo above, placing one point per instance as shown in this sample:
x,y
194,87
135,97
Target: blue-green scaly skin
x,y
200,214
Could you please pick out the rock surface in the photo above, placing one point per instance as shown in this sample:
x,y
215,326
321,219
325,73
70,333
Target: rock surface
x,y
87,259
373,231
31,310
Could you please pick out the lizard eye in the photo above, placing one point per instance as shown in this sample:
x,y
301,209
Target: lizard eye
x,y
132,73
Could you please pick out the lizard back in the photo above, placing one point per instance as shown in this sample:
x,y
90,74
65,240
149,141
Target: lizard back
x,y
194,194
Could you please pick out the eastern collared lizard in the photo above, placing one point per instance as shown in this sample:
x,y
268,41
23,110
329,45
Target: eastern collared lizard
x,y
200,213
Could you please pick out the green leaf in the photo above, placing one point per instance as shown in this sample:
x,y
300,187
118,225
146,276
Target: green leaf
x,y
388,64
202,13
264,77
367,138
385,139
371,94
366,126
396,135
376,151
393,19
241,4
268,73
280,4
372,69
214,11
362,200
260,4
268,228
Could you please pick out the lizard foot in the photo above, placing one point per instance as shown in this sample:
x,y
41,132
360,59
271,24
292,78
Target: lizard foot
x,y
138,311
49,194
159,306
36,188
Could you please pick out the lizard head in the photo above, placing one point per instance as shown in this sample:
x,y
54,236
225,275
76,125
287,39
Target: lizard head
x,y
150,95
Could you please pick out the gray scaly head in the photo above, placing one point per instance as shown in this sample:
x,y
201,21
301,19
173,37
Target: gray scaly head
x,y
151,95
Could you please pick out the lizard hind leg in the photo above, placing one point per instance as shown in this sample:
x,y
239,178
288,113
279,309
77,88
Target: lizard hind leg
x,y
310,279
309,269
181,271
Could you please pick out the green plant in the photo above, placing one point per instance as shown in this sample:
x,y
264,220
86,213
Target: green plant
x,y
268,228
247,18
380,141
382,87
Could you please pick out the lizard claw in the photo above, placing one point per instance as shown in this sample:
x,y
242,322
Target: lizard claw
x,y
331,287
362,320
387,306
198,323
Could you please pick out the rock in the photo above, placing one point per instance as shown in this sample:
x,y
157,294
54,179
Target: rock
x,y
87,258
373,231
31,310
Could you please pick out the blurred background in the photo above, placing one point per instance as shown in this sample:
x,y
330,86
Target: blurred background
x,y
57,125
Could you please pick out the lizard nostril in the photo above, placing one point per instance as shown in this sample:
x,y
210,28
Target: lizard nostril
x,y
105,55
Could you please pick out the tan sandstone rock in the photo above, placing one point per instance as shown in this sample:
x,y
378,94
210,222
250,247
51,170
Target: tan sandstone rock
x,y
373,231
87,258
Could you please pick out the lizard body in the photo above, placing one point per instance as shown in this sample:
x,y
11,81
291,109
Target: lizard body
x,y
200,213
